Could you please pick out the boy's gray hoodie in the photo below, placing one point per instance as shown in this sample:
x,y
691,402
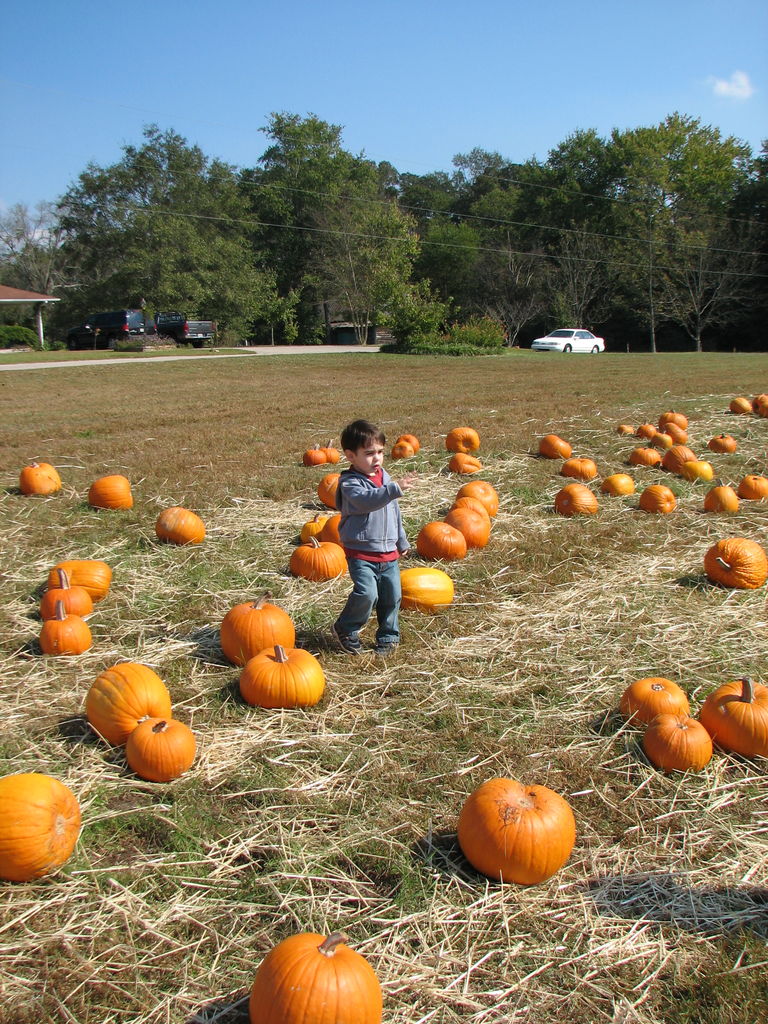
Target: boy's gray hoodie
x,y
370,515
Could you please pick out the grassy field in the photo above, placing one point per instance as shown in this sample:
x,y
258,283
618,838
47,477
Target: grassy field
x,y
343,817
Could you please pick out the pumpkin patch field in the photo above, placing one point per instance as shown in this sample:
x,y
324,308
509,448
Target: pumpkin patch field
x,y
549,804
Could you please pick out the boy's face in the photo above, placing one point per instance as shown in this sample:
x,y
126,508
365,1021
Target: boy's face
x,y
366,459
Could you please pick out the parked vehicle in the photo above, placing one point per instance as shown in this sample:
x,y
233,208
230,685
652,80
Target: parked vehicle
x,y
183,331
102,330
569,339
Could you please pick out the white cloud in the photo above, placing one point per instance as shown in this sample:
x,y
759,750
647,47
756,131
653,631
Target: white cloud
x,y
737,87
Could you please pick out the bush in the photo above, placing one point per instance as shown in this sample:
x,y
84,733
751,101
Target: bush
x,y
416,314
478,336
11,335
478,332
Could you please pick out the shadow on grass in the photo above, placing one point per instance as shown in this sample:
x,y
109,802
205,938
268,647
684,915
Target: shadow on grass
x,y
221,1011
76,729
439,852
696,581
207,646
607,723
663,900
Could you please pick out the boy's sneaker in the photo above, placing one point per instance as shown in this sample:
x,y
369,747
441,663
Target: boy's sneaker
x,y
384,650
347,644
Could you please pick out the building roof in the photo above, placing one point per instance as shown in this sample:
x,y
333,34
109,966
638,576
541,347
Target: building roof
x,y
18,295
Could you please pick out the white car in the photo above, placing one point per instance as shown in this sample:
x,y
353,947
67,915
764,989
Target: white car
x,y
569,339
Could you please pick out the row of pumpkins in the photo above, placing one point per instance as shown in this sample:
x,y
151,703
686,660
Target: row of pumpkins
x,y
461,441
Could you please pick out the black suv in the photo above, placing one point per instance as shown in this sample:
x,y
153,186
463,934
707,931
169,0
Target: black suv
x,y
102,330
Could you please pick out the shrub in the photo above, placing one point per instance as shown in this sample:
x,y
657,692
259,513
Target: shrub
x,y
478,332
11,335
416,314
478,336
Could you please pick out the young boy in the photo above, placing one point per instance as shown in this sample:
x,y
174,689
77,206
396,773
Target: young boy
x,y
371,531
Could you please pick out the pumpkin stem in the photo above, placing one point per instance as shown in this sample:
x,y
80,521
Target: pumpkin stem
x,y
313,542
160,726
63,579
328,946
747,690
723,563
280,654
266,596
59,611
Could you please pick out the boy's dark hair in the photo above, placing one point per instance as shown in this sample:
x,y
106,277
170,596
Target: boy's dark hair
x,y
360,434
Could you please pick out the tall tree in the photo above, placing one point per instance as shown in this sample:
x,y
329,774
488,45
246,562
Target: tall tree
x,y
31,255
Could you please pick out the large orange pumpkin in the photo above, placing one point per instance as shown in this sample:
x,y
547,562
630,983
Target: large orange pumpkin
x,y
736,717
39,825
466,464
160,749
678,418
64,633
282,678
425,589
315,456
740,405
410,439
737,562
330,530
579,468
516,833
178,525
462,439
644,457
678,435
123,696
473,503
39,478
753,487
553,447
677,743
575,500
484,492
675,456
646,431
402,450
723,443
721,499
439,539
651,696
326,489
76,600
91,574
309,979
318,560
475,526
112,491
250,627
618,484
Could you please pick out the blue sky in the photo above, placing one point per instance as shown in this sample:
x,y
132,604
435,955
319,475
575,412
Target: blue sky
x,y
411,81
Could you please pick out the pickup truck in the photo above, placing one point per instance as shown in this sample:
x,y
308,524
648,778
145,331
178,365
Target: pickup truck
x,y
183,331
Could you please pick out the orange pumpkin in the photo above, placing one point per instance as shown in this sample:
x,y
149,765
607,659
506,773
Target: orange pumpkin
x,y
737,562
466,464
111,492
658,498
330,530
326,489
282,678
313,527
553,447
253,626
440,540
697,469
618,484
740,406
123,696
625,428
178,525
723,443
644,457
462,439
678,418
318,560
76,600
516,833
753,487
91,574
678,435
579,469
677,743
646,430
475,527
160,749
410,439
646,698
402,450
332,455
721,499
309,979
662,440
64,633
39,825
39,478
473,503
736,717
315,456
482,491
575,500
675,456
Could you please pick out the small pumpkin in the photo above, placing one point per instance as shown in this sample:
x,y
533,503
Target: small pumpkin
x,y
678,418
425,589
462,439
282,677
91,574
677,743
309,979
76,600
740,406
678,435
410,439
644,457
723,443
123,696
658,498
675,456
697,469
39,825
466,464
721,499
332,455
624,429
475,526
646,431
326,489
314,456
736,717
760,404
39,478
160,749
579,468
111,492
646,698
737,562
440,540
178,525
402,450
575,500
473,503
64,633
330,530
662,440
482,491
313,527
251,627
753,487
553,447
516,833
618,484
318,560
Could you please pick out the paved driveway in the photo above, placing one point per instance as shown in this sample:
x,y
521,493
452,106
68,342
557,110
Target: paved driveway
x,y
261,350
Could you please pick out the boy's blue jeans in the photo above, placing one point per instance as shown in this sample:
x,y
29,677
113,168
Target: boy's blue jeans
x,y
375,585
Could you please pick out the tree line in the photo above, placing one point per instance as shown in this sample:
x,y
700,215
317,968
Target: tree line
x,y
653,237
